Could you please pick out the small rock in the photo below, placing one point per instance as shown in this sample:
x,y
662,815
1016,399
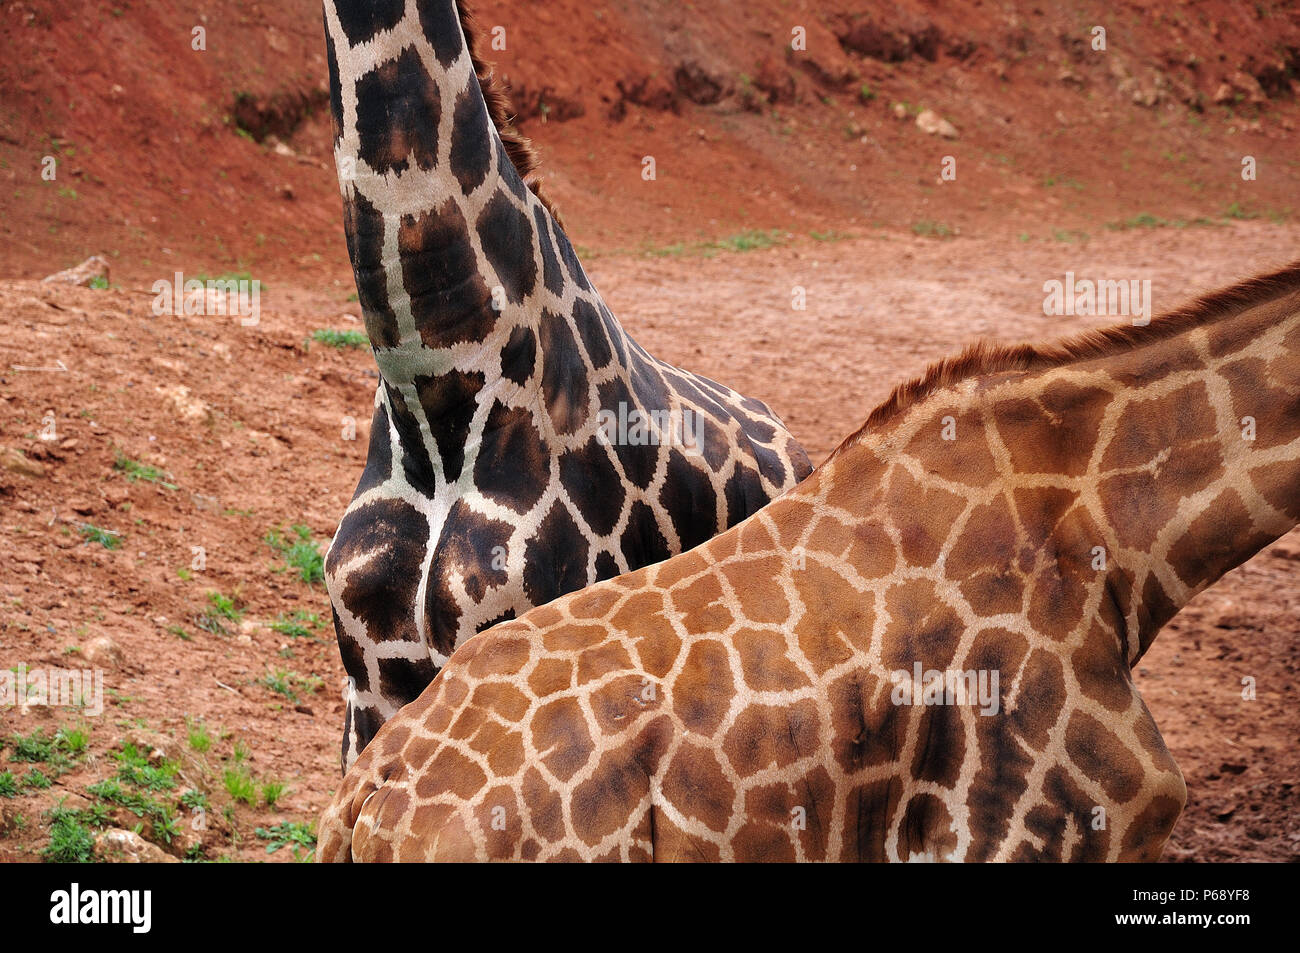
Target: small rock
x,y
933,124
104,651
187,407
117,846
93,267
900,111
15,461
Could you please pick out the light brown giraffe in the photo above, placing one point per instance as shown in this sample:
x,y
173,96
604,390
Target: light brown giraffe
x,y
1018,525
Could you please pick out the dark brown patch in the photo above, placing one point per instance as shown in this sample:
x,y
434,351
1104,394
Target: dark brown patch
x,y
703,689
695,784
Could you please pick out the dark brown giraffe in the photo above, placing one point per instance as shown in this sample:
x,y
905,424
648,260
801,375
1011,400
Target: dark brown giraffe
x,y
523,444
922,652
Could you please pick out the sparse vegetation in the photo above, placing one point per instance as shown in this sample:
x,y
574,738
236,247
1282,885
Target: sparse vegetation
x,y
299,625
71,842
299,553
97,534
350,338
752,240
294,834
8,784
134,768
289,684
35,779
931,229
221,609
162,818
135,471
272,791
1147,220
57,752
239,784
200,739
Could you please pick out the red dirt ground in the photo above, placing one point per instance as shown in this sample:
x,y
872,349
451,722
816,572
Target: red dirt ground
x,y
1059,149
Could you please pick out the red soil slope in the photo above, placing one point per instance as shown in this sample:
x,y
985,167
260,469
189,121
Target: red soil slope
x,y
746,132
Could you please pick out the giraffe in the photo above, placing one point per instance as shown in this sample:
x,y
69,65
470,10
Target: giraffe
x,y
923,652
523,445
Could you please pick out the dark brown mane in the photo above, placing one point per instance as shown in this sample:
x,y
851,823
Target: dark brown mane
x,y
985,358
495,92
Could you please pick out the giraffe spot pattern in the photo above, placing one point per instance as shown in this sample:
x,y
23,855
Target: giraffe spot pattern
x,y
391,102
436,256
506,235
511,468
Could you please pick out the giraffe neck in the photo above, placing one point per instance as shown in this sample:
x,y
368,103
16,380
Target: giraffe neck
x,y
1147,472
1202,467
455,257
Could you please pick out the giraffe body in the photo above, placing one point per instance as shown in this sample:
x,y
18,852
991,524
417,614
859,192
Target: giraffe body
x,y
1038,513
502,471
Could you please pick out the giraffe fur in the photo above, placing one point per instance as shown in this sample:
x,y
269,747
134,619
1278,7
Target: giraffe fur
x,y
1039,512
493,482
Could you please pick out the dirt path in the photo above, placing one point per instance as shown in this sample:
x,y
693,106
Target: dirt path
x,y
249,426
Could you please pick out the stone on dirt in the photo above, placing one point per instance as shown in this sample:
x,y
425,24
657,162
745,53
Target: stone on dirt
x,y
96,266
118,846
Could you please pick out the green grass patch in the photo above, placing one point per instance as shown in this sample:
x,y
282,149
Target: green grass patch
x,y
239,784
71,841
135,471
58,751
298,626
8,784
1146,220
229,276
200,739
134,768
931,229
221,609
272,791
751,240
36,780
298,835
289,684
160,816
351,338
74,741
97,534
299,552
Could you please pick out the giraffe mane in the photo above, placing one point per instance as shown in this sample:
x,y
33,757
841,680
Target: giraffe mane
x,y
984,357
523,154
